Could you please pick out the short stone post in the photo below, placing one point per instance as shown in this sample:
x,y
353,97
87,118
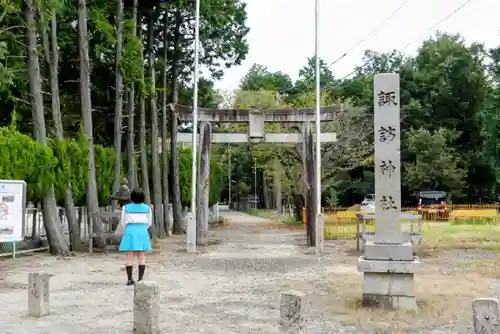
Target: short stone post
x,y
146,308
293,312
486,316
38,294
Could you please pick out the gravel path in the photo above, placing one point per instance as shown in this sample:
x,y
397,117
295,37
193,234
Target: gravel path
x,y
233,286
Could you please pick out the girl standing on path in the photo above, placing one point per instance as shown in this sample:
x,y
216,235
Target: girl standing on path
x,y
135,220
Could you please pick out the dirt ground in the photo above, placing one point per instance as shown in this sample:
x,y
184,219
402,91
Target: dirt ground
x,y
234,286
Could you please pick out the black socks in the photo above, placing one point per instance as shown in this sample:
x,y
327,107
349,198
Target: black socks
x,y
129,270
142,268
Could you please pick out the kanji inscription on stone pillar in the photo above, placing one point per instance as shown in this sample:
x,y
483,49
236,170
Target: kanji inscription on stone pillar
x,y
387,158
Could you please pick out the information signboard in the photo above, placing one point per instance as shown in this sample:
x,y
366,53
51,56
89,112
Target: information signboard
x,y
12,210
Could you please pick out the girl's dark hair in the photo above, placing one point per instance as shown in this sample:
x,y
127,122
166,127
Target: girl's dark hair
x,y
137,196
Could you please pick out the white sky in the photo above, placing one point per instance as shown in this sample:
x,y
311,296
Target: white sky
x,y
281,33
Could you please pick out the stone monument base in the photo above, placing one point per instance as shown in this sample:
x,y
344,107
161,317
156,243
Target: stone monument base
x,y
389,283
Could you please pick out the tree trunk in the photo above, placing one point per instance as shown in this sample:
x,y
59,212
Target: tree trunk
x,y
157,196
142,140
143,148
164,130
298,204
132,170
92,199
50,215
311,206
142,136
265,191
277,186
52,59
131,162
174,149
118,99
203,193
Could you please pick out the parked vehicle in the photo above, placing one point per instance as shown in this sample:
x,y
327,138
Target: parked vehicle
x,y
368,207
433,205
368,198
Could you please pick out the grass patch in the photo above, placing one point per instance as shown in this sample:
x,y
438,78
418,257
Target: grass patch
x,y
218,223
253,212
474,222
288,220
269,214
436,235
461,236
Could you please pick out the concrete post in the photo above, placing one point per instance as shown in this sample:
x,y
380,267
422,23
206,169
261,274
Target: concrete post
x,y
38,294
293,312
388,264
146,308
203,193
486,316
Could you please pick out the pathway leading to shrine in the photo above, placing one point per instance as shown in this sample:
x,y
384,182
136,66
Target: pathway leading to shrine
x,y
232,287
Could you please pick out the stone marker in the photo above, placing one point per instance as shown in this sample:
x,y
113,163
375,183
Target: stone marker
x,y
293,311
486,316
146,308
388,264
38,294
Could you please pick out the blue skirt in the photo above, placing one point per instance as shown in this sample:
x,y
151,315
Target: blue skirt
x,y
136,239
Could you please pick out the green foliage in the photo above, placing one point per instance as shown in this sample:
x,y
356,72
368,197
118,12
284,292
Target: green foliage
x,y
5,72
22,158
104,161
332,198
72,168
103,26
132,66
185,168
436,164
59,164
260,99
259,78
450,121
61,171
450,102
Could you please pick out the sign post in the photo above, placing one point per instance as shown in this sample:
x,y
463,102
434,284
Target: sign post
x,y
12,212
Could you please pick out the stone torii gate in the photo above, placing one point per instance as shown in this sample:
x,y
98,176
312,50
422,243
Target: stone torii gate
x,y
255,118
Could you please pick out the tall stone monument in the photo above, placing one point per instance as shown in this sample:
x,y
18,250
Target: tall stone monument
x,y
388,264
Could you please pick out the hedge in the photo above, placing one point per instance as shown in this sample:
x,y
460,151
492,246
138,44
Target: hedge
x,y
185,168
66,161
62,162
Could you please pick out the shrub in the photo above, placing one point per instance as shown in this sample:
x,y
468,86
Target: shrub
x,y
185,178
59,164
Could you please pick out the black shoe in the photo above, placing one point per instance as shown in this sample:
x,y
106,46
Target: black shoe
x,y
130,282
